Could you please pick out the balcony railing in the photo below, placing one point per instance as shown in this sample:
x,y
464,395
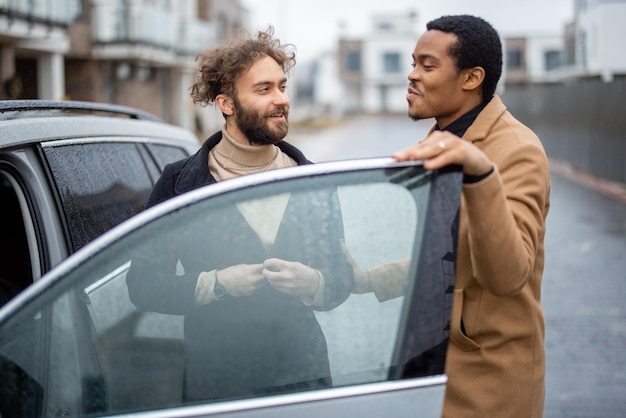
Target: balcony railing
x,y
61,12
151,25
195,36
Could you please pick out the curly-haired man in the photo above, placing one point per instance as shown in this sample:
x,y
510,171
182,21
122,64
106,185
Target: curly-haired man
x,y
247,289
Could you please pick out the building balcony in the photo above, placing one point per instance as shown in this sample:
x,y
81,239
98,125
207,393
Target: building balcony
x,y
148,33
38,25
49,12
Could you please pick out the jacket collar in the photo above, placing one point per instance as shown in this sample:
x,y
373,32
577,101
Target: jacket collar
x,y
485,120
195,172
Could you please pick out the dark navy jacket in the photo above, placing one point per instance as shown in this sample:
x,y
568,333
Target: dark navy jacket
x,y
264,343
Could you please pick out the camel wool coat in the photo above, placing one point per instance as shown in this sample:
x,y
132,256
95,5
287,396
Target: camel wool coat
x,y
496,357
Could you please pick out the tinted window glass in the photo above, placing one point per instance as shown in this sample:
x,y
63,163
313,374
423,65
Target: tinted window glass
x,y
151,164
100,185
136,327
164,154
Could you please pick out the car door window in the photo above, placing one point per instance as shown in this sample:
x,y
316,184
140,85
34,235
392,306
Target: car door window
x,y
140,326
99,184
165,154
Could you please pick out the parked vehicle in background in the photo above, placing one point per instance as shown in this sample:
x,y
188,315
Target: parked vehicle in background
x,y
70,171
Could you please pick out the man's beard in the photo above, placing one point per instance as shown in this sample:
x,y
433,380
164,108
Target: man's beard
x,y
415,118
255,127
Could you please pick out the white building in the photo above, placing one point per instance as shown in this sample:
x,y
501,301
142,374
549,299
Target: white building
x,y
136,53
386,61
34,37
591,46
532,58
318,91
600,36
367,73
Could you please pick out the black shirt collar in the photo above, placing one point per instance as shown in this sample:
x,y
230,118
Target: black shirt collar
x,y
459,126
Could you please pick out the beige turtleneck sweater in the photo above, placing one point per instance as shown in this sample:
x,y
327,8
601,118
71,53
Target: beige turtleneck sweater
x,y
230,159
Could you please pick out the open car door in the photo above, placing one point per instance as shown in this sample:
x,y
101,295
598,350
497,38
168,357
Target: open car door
x,y
148,318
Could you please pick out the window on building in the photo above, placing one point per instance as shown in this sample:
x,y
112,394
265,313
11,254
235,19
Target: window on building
x,y
552,60
391,62
353,61
384,26
514,59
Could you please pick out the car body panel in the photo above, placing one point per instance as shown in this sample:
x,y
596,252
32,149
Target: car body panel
x,y
23,131
406,398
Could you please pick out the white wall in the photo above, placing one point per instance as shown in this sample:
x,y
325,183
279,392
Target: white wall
x,y
328,88
386,91
603,24
537,47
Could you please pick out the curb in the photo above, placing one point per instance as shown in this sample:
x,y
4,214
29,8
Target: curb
x,y
612,189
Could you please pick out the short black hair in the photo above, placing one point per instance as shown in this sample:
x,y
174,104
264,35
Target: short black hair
x,y
478,45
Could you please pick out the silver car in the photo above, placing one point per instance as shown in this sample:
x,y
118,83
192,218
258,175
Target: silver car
x,y
70,171
75,344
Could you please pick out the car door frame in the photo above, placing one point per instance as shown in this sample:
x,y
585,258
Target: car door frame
x,y
412,393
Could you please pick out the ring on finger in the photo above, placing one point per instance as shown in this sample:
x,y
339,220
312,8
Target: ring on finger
x,y
442,145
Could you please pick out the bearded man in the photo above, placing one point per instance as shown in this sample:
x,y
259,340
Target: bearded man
x,y
250,283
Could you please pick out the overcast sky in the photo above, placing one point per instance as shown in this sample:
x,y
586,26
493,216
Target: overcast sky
x,y
313,26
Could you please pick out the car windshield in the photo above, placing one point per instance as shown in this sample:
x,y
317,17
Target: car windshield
x,y
133,328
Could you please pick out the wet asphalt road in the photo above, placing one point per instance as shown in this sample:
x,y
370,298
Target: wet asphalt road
x,y
584,283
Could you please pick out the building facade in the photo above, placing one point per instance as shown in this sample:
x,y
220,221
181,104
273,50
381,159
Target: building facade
x,y
138,53
373,69
589,46
532,58
600,32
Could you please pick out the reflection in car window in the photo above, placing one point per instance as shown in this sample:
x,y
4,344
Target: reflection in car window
x,y
279,259
118,333
100,185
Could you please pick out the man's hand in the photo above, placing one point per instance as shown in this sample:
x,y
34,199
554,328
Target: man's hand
x,y
242,279
291,278
360,277
442,148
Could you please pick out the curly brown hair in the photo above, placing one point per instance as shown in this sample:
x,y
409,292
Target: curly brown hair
x,y
219,67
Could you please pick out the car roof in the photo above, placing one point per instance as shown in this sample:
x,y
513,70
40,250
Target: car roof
x,y
31,108
34,121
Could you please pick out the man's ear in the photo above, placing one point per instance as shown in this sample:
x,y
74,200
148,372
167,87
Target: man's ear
x,y
474,78
225,104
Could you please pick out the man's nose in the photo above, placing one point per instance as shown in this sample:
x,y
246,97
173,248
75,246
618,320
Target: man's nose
x,y
281,98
